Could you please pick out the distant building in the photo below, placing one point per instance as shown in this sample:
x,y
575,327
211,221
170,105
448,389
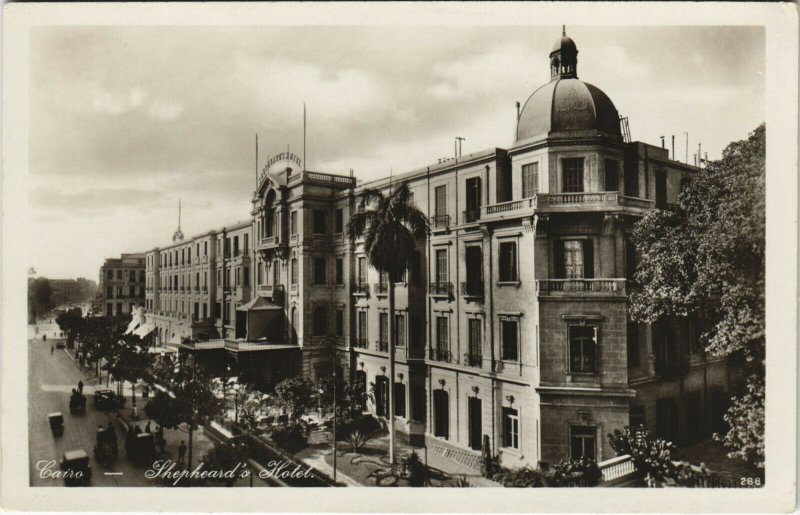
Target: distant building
x,y
512,323
121,285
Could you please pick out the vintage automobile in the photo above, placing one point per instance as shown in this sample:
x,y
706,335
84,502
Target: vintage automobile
x,y
105,451
77,471
106,400
56,423
142,449
77,403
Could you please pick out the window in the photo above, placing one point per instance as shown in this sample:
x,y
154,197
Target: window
x,y
362,325
442,339
205,248
362,271
338,221
293,223
319,222
238,277
510,428
440,196
572,170
507,265
293,271
612,175
417,403
509,330
583,442
132,276
110,275
319,270
400,330
442,277
382,396
574,259
235,246
637,417
339,321
475,350
320,321
473,199
246,273
661,189
383,328
583,349
260,273
633,345
276,272
474,261
530,180
399,400
339,271
441,414
630,259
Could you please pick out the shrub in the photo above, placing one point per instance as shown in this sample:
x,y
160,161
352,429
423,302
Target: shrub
x,y
418,474
524,477
582,472
291,437
358,440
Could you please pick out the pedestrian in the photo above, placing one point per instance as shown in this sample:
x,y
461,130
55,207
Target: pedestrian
x,y
52,349
160,438
181,452
80,387
147,427
45,337
110,429
138,430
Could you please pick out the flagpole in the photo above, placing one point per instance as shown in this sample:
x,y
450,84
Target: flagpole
x,y
256,161
304,136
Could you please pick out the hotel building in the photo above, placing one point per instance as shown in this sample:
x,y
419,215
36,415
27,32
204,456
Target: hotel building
x,y
122,285
512,324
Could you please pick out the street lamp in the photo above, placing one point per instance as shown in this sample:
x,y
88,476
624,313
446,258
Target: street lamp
x,y
236,387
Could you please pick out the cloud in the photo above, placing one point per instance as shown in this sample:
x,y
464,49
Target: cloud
x,y
117,103
95,200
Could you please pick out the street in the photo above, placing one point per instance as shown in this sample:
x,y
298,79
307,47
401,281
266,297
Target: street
x,y
52,374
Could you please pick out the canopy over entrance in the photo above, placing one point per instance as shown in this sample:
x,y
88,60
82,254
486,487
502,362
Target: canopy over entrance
x,y
260,319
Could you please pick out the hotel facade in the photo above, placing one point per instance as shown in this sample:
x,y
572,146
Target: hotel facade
x,y
512,324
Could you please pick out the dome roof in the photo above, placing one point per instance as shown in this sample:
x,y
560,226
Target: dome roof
x,y
568,107
565,43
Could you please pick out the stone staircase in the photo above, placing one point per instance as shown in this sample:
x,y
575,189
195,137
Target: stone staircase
x,y
467,459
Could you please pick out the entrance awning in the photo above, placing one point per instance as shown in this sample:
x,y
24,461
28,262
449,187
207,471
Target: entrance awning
x,y
259,304
143,330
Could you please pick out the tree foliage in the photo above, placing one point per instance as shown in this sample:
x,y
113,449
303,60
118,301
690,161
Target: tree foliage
x,y
40,298
72,324
706,260
295,395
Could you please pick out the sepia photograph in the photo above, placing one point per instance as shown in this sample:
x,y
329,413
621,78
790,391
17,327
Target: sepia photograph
x,y
365,255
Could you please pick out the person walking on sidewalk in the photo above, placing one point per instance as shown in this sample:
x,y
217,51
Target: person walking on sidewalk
x,y
147,427
52,349
80,387
181,452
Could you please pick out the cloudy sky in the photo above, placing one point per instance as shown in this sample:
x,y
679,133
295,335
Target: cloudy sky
x,y
125,120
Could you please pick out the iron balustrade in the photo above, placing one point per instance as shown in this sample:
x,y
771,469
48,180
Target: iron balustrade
x,y
471,215
472,288
442,355
381,288
441,288
361,343
360,289
441,221
473,360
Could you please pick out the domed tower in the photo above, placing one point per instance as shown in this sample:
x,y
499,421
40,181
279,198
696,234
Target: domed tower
x,y
566,106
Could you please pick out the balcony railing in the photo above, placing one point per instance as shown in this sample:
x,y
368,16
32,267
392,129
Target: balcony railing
x,y
471,215
265,288
440,288
361,289
473,360
615,287
382,346
442,355
361,343
381,288
505,207
472,289
269,240
441,221
616,469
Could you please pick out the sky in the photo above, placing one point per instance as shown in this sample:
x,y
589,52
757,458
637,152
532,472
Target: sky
x,y
126,120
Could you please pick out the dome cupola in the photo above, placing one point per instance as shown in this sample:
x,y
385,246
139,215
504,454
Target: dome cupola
x,y
565,106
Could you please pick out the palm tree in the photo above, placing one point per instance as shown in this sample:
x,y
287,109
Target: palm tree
x,y
390,230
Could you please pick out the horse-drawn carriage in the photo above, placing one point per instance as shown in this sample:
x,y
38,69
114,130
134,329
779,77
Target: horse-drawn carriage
x,y
105,451
141,448
77,403
56,420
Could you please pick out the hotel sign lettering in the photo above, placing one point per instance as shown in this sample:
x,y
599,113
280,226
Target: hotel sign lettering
x,y
284,156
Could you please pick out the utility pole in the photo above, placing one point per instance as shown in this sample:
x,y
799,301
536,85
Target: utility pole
x,y
687,147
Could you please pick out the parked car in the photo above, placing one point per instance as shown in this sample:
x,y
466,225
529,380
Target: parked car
x,y
105,452
77,471
105,400
77,404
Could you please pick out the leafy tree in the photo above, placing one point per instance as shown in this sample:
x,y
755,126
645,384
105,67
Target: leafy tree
x,y
189,401
706,260
390,230
295,395
71,323
130,360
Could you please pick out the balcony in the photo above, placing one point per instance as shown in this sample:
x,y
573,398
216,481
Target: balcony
x,y
361,343
442,355
472,289
471,215
473,360
593,201
204,345
361,290
381,288
441,289
509,209
581,287
265,289
381,346
440,222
